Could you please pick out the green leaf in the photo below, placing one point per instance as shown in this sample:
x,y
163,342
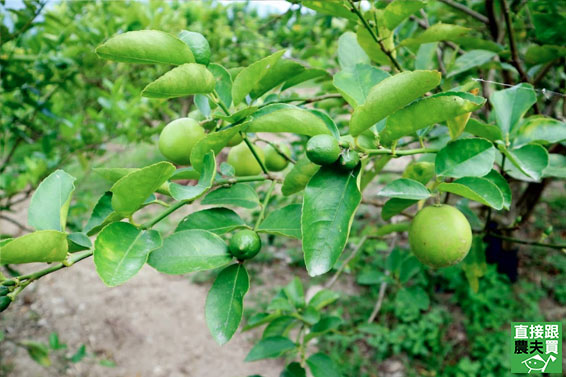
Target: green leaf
x,y
146,46
321,365
184,80
239,195
420,171
223,83
426,56
40,246
276,75
225,301
50,202
395,206
198,45
544,54
285,221
295,293
469,60
323,326
296,180
556,166
465,158
279,327
511,104
336,8
481,190
328,121
287,118
121,250
79,355
188,251
113,174
78,241
102,215
366,41
185,173
308,74
405,188
190,193
293,370
37,351
527,162
270,348
349,51
54,342
497,179
250,76
329,205
355,82
480,129
437,32
409,301
215,220
540,129
390,95
213,141
323,298
397,11
428,111
132,190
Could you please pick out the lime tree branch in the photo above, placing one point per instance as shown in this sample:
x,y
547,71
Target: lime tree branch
x,y
512,44
402,152
304,100
470,12
375,38
264,204
277,149
527,242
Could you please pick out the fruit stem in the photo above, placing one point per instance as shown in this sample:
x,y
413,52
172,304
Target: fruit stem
x,y
264,204
218,101
249,144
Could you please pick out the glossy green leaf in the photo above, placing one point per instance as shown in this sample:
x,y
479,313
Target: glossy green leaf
x,y
287,118
543,54
198,45
426,56
121,250
239,195
511,104
428,111
270,348
540,129
185,173
285,221
295,293
437,32
469,60
321,365
527,162
465,158
395,206
335,8
329,205
38,352
190,193
370,46
556,166
237,116
390,95
281,71
481,190
355,82
481,129
306,75
146,46
213,141
40,246
225,302
250,76
184,80
294,370
279,327
215,220
497,179
397,11
113,174
50,202
223,84
349,51
405,188
132,190
420,171
188,251
301,173
102,215
78,241
323,326
323,298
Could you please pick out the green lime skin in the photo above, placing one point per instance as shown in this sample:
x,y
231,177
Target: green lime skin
x,y
273,160
4,290
323,149
440,236
245,244
5,301
235,140
243,160
178,138
348,160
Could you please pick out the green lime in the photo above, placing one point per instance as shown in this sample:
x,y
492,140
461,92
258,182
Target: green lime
x,y
273,160
348,160
243,160
4,290
323,149
440,236
245,244
178,138
5,301
198,45
235,140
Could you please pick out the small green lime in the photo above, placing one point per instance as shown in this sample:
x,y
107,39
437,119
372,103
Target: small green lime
x,y
440,236
5,301
178,138
235,140
243,160
273,160
198,45
349,160
323,149
245,244
4,290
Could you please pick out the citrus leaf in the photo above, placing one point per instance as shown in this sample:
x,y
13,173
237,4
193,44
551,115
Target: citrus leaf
x,y
146,46
540,129
50,202
480,129
349,51
323,298
437,32
306,75
395,206
390,95
497,179
40,246
270,348
198,45
355,82
276,75
511,104
294,369
329,204
189,193
481,190
335,8
296,180
527,162
102,215
215,220
223,83
556,166
188,251
405,188
287,118
321,365
225,301
465,158
397,11
239,195
183,80
121,250
469,60
113,174
285,221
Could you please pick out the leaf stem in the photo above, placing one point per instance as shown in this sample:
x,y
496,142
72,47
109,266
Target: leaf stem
x,y
406,152
264,204
249,144
220,103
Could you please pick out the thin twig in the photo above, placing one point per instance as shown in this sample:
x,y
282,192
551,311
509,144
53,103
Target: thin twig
x,y
382,289
346,261
16,223
527,242
470,12
511,35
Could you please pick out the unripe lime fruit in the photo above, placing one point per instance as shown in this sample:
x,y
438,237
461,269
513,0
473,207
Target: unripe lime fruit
x,y
440,236
178,138
245,244
243,160
323,149
273,160
5,301
348,160
235,140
